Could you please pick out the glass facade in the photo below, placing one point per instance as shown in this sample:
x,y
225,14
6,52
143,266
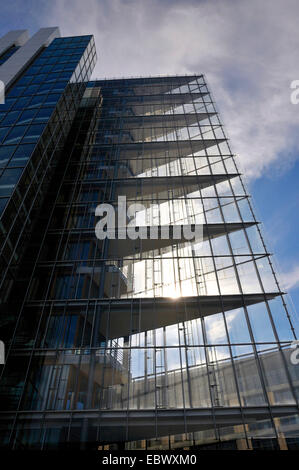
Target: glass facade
x,y
34,123
137,343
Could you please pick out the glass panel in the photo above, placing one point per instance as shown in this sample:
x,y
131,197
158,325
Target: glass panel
x,y
34,132
26,116
10,177
248,276
215,329
237,326
221,376
276,381
260,323
15,135
282,323
248,378
5,153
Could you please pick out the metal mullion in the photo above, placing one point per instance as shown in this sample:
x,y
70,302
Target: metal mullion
x,y
270,313
29,284
51,307
271,266
23,303
182,379
250,331
267,343
66,222
188,215
187,347
223,310
207,357
220,295
22,207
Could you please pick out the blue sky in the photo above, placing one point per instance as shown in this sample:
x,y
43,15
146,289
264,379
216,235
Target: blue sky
x,y
249,54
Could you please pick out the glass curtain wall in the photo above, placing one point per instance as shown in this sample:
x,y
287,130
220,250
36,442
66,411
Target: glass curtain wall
x,y
191,338
34,123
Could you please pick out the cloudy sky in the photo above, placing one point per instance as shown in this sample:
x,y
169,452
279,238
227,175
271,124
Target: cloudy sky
x,y
248,51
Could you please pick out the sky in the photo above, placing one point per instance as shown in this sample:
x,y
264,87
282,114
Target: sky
x,y
248,51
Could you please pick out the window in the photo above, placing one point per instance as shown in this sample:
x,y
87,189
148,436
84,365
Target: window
x,y
3,202
8,104
15,135
34,132
27,116
37,101
11,176
17,91
3,132
59,86
52,99
39,78
6,152
44,114
8,180
21,155
32,89
21,102
10,118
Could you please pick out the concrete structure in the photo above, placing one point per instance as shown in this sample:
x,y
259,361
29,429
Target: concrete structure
x,y
28,50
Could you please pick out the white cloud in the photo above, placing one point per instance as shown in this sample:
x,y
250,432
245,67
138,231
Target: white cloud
x,y
248,51
290,279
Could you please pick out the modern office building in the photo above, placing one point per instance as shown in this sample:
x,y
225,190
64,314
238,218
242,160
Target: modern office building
x,y
122,342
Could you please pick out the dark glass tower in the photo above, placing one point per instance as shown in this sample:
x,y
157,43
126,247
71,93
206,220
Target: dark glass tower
x,y
133,343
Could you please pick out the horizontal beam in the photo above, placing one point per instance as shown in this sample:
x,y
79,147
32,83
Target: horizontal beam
x,y
162,185
126,425
170,149
124,248
160,99
126,317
